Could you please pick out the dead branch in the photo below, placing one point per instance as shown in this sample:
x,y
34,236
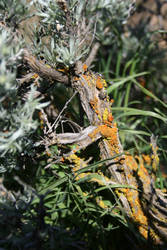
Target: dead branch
x,y
43,70
144,205
81,139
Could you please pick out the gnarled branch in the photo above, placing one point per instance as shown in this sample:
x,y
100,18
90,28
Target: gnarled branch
x,y
43,70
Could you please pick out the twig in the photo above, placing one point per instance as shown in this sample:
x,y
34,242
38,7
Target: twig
x,y
47,122
26,78
58,118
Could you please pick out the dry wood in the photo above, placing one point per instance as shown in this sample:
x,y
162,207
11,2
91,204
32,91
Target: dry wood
x,y
144,205
43,70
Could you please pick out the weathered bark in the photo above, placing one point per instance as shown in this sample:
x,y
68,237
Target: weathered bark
x,y
144,205
44,70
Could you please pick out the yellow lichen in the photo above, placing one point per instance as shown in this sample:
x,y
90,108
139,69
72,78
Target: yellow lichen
x,y
80,163
109,132
155,157
136,163
105,115
101,203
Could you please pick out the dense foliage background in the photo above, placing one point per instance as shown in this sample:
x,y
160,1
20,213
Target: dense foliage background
x,y
42,205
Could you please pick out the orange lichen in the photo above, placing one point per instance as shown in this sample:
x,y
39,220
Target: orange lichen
x,y
110,117
147,159
110,134
93,134
107,132
107,117
99,83
64,70
135,164
108,123
62,159
76,78
79,163
48,153
94,105
35,76
85,67
89,79
93,79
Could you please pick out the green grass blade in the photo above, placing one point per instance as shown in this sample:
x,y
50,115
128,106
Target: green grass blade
x,y
132,111
135,132
96,164
122,81
54,185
